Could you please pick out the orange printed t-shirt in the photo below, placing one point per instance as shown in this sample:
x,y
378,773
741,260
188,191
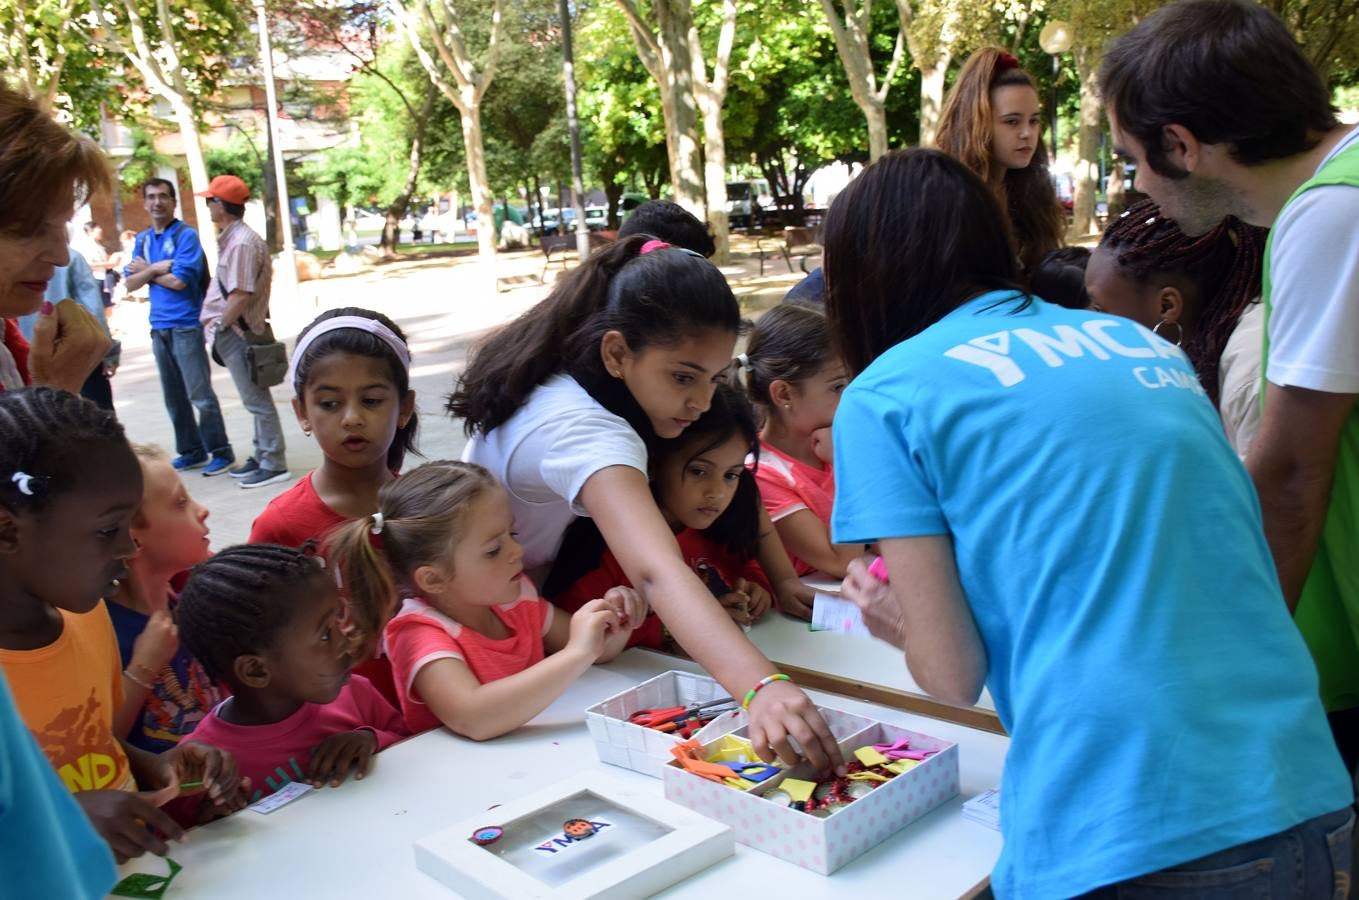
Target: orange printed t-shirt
x,y
420,634
67,693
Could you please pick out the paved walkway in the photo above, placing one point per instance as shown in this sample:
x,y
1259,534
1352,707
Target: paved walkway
x,y
443,308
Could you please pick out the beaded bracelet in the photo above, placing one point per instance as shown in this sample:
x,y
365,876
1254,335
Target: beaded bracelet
x,y
764,682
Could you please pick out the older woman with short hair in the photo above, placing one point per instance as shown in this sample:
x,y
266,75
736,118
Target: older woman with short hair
x,y
45,170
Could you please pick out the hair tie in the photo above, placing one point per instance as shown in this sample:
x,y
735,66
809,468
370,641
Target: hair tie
x,y
26,483
652,245
1006,61
358,323
742,361
378,523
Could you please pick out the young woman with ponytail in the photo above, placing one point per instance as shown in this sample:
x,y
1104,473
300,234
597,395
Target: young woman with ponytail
x,y
564,406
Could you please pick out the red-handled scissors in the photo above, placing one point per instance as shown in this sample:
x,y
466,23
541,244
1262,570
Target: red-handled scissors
x,y
669,718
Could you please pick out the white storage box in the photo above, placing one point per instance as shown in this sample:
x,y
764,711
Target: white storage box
x,y
646,750
825,844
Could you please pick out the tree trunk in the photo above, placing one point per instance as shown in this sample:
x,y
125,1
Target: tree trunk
x,y
682,146
480,184
538,195
613,192
396,211
877,129
715,179
932,97
1086,174
1116,195
198,174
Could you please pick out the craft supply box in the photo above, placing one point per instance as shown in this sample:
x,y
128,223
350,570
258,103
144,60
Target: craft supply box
x,y
646,750
621,743
825,844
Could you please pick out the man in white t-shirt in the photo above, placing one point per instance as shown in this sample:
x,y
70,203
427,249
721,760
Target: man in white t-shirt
x,y
1224,115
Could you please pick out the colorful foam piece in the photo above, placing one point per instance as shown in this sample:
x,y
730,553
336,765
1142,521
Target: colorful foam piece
x,y
871,756
799,790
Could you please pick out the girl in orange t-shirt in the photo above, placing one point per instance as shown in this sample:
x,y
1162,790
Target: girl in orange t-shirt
x,y
69,486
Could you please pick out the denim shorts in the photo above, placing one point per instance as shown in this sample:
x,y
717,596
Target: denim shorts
x,y
1310,861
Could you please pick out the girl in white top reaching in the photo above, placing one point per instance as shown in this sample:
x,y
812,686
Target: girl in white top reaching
x,y
563,406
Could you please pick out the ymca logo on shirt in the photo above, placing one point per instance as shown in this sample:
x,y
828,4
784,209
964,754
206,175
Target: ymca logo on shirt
x,y
1006,353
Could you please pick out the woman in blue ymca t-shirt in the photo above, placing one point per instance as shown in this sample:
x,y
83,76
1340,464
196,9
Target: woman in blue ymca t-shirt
x,y
1057,492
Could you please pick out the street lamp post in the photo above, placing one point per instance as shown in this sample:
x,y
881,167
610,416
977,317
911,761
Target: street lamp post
x,y
285,222
573,126
1055,39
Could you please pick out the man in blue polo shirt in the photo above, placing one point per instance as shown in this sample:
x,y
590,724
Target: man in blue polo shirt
x,y
169,257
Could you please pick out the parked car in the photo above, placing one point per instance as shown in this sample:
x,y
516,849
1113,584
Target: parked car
x,y
747,202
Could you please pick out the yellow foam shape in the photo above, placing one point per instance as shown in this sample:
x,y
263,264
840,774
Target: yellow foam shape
x,y
799,790
902,766
730,748
870,757
740,784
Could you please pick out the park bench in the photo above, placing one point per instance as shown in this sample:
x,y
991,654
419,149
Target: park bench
x,y
558,246
794,240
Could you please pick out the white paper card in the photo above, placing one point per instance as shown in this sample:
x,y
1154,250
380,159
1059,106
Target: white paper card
x,y
281,798
841,616
984,808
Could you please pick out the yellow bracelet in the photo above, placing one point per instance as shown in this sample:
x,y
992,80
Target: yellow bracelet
x,y
764,682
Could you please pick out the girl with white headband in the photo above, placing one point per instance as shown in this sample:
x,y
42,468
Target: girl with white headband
x,y
351,376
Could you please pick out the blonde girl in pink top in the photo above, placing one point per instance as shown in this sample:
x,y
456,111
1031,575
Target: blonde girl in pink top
x,y
472,645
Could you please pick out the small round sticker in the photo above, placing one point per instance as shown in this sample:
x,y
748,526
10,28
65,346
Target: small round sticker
x,y
488,835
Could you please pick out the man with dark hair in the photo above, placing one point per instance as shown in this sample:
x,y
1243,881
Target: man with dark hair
x,y
671,223
235,309
1224,115
169,257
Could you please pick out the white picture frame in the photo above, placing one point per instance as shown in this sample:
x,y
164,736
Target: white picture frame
x,y
689,844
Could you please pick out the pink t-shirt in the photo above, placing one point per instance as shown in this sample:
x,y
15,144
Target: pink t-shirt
x,y
788,485
420,634
275,755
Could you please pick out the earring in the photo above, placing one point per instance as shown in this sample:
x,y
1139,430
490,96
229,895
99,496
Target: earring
x,y
1179,332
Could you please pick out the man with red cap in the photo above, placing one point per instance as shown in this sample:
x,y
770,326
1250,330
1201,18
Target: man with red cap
x,y
235,309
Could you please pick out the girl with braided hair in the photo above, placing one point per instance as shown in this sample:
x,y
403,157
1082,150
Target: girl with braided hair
x,y
1200,293
992,123
264,619
69,487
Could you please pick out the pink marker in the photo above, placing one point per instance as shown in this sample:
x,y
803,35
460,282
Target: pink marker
x,y
878,569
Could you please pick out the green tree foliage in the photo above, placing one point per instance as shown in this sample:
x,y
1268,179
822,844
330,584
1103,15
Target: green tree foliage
x,y
791,111
42,54
620,108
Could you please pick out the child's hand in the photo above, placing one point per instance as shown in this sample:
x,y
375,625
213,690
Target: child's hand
x,y
590,626
795,598
192,761
334,757
760,601
157,643
737,605
821,445
132,823
628,605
